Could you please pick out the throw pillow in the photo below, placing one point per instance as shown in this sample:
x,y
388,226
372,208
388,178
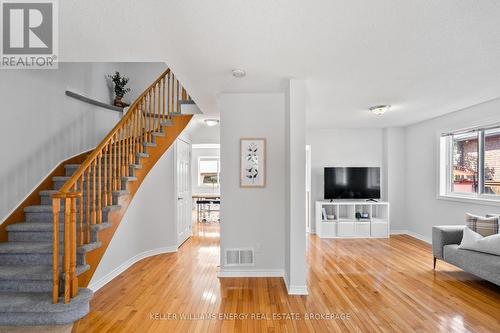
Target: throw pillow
x,y
473,241
485,226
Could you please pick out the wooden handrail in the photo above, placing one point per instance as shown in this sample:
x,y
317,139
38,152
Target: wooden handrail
x,y
66,187
91,187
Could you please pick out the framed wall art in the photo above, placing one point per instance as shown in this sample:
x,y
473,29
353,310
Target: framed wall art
x,y
253,162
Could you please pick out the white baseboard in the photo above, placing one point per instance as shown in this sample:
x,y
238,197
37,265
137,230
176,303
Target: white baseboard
x,y
295,289
96,285
412,234
399,232
251,273
292,290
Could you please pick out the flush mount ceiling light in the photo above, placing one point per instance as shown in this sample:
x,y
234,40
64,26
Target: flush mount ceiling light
x,y
379,109
239,73
211,122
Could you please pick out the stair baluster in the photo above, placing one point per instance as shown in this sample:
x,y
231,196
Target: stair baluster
x,y
99,193
80,213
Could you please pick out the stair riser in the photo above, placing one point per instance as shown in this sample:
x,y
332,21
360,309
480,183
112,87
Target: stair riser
x,y
48,217
26,286
70,171
131,161
38,285
34,259
57,184
135,160
47,200
42,236
41,318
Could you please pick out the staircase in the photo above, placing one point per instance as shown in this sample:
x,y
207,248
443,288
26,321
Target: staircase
x,y
58,235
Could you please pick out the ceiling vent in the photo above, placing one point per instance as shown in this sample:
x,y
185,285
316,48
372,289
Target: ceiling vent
x,y
239,257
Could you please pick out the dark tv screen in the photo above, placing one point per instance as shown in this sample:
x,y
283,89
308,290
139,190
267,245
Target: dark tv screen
x,y
352,183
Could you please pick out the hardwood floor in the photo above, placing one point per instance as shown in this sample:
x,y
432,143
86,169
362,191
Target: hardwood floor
x,y
365,285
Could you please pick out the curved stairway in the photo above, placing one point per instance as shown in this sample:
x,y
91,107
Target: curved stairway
x,y
27,295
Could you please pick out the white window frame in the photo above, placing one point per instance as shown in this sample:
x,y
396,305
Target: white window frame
x,y
200,182
445,150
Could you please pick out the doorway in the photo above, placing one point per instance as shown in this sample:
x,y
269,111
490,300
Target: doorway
x,y
308,189
183,190
206,182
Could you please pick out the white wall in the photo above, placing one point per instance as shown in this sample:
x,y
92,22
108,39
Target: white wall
x,y
423,208
196,153
206,134
394,176
253,217
295,188
141,76
342,147
41,126
148,226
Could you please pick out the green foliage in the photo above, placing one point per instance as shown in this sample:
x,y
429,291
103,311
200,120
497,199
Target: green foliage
x,y
120,83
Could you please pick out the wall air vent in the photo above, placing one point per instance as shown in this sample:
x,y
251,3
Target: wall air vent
x,y
239,257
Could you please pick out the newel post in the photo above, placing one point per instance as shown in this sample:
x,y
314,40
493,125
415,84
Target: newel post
x,y
56,206
73,280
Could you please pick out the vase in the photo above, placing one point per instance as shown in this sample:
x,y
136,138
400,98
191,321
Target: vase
x,y
118,101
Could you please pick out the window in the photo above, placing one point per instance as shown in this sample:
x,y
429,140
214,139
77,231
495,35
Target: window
x,y
470,163
208,171
465,161
492,161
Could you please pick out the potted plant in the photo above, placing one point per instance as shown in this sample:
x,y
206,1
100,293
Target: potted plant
x,y
119,82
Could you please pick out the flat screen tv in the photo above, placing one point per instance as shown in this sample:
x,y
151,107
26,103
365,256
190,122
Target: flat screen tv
x,y
352,183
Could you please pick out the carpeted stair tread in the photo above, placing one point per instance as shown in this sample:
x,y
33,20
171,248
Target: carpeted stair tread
x,y
66,178
76,166
48,208
49,193
38,209
43,226
36,309
141,155
39,247
39,302
32,272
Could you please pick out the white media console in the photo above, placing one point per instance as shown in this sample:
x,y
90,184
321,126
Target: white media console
x,y
341,221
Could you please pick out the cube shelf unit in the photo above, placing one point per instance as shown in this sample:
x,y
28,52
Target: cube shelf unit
x,y
341,221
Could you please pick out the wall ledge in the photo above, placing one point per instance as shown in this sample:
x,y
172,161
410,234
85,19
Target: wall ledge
x,y
91,101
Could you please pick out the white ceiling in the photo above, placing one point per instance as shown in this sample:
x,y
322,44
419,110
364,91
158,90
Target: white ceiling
x,y
425,57
200,133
